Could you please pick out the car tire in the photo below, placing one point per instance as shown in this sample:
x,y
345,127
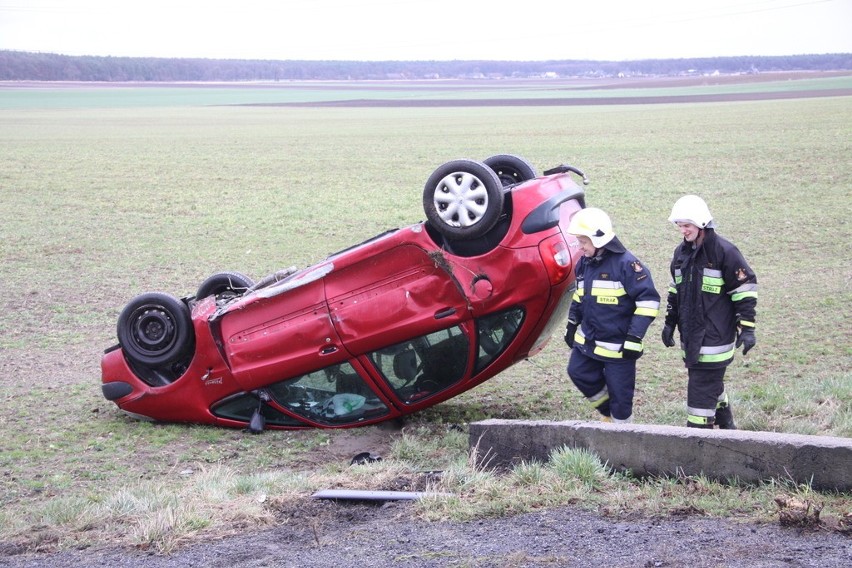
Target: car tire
x,y
155,329
231,283
511,169
463,199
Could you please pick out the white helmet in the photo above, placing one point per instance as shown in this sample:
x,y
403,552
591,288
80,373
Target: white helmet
x,y
593,223
691,209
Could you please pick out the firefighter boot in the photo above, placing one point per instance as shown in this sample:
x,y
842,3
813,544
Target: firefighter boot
x,y
724,416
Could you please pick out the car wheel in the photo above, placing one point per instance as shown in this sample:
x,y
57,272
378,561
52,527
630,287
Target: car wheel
x,y
511,169
156,329
230,283
463,199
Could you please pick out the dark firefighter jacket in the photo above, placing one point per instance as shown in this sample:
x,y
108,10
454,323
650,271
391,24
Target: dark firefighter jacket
x,y
713,290
615,299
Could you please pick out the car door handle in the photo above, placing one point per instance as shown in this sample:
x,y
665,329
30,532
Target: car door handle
x,y
446,312
328,350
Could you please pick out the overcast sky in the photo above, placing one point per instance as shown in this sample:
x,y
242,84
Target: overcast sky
x,y
427,29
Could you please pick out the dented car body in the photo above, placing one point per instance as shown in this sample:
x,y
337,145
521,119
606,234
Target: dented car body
x,y
388,327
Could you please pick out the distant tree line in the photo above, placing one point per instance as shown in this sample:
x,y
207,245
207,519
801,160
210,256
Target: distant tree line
x,y
26,66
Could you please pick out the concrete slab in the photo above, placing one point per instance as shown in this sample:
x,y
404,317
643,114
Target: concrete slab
x,y
823,461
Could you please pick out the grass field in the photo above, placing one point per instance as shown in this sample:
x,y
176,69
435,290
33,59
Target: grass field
x,y
100,204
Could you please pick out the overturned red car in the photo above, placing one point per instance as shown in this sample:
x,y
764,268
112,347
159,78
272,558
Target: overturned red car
x,y
388,327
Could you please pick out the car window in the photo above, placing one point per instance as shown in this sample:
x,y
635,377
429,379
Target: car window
x,y
494,333
420,367
242,407
333,395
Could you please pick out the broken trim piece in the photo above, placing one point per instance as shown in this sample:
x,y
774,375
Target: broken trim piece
x,y
363,495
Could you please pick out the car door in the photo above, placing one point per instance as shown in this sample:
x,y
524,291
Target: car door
x,y
393,295
281,332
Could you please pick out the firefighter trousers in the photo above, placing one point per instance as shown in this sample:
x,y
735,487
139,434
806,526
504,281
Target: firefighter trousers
x,y
607,385
705,390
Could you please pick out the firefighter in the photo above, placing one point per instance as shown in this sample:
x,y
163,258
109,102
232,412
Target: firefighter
x,y
614,303
711,301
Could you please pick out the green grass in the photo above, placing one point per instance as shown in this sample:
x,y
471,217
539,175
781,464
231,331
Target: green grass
x,y
99,205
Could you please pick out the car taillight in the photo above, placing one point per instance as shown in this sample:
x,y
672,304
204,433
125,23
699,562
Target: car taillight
x,y
557,258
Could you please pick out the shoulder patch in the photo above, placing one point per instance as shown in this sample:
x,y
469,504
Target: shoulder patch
x,y
741,274
636,266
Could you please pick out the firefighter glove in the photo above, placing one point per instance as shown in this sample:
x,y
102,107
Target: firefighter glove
x,y
668,335
570,330
632,347
746,339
